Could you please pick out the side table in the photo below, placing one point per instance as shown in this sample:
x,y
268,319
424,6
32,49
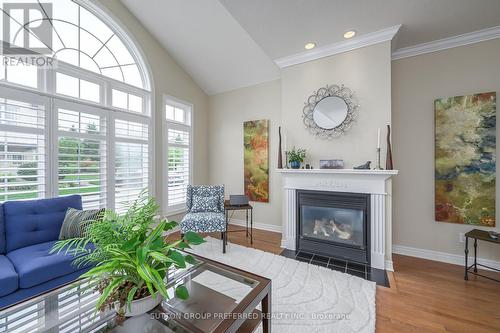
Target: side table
x,y
472,269
248,208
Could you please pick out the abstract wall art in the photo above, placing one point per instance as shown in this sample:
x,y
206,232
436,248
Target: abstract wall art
x,y
465,159
256,159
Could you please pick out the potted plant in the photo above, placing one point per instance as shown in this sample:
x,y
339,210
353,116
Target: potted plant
x,y
130,257
296,157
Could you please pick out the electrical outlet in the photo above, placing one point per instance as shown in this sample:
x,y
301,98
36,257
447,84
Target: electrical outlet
x,y
461,237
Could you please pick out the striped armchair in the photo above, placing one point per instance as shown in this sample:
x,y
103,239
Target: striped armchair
x,y
205,211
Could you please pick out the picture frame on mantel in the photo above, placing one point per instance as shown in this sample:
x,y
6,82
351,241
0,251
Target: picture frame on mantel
x,y
331,164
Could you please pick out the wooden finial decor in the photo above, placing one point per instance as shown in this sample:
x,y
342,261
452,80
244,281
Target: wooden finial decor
x,y
388,161
280,153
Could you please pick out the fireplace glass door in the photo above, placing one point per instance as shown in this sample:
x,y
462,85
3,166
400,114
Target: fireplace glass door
x,y
332,224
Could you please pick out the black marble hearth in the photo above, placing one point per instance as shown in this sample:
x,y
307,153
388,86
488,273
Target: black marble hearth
x,y
360,270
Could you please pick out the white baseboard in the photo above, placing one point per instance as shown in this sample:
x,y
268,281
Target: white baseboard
x,y
442,256
256,225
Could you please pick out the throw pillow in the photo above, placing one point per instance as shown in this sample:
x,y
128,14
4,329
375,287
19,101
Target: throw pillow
x,y
203,204
76,222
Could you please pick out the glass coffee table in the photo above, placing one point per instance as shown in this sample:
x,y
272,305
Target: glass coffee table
x,y
221,299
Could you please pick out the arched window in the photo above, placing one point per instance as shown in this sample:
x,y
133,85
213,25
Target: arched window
x,y
81,125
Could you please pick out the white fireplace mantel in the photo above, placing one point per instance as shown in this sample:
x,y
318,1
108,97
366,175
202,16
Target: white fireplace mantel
x,y
341,171
373,182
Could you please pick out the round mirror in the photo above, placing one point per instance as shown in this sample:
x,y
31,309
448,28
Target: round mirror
x,y
330,112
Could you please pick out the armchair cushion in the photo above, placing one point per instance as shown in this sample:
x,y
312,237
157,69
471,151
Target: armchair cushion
x,y
205,191
203,222
205,204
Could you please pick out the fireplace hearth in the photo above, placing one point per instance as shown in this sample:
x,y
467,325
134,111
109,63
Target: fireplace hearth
x,y
334,224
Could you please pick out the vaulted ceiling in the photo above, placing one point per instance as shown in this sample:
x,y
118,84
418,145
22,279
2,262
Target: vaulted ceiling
x,y
229,44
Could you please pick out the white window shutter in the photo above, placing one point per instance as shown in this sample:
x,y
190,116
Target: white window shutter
x,y
82,155
178,142
22,147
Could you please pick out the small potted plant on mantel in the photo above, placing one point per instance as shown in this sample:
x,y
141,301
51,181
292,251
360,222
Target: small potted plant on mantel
x,y
130,258
296,157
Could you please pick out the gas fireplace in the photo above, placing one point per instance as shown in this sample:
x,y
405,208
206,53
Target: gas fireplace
x,y
334,224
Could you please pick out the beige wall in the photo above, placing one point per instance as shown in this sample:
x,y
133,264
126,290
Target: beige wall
x,y
168,78
228,111
416,83
367,71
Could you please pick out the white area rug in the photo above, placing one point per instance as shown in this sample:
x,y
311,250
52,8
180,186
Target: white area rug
x,y
305,297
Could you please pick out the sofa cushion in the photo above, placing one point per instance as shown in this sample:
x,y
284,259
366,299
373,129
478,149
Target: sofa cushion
x,y
35,265
35,221
77,222
2,231
8,277
25,294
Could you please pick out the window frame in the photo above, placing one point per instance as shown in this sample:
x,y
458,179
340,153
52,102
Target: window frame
x,y
25,97
66,70
46,92
172,124
57,133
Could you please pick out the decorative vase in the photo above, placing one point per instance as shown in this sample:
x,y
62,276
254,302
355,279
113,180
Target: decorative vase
x,y
141,306
295,164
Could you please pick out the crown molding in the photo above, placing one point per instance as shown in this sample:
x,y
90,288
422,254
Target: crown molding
x,y
447,43
340,47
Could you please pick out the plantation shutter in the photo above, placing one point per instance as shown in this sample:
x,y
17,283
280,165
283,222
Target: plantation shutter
x,y
178,164
82,154
22,145
131,163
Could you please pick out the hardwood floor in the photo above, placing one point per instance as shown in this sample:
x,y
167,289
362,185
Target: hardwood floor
x,y
262,240
425,296
429,296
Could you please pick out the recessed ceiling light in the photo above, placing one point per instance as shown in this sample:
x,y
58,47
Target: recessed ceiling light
x,y
310,46
349,34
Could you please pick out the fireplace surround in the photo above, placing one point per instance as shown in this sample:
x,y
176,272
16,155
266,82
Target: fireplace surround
x,y
334,224
374,183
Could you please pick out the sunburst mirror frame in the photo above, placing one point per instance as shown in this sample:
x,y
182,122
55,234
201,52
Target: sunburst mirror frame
x,y
342,92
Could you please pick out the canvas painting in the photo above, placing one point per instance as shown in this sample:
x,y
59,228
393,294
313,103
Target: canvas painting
x,y
466,159
256,160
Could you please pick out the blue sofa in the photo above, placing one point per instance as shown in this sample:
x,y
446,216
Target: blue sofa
x,y
28,229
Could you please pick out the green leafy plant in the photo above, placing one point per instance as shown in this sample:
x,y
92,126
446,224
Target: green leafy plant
x,y
297,155
130,255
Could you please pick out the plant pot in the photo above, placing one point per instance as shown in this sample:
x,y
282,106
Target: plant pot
x,y
141,306
295,164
